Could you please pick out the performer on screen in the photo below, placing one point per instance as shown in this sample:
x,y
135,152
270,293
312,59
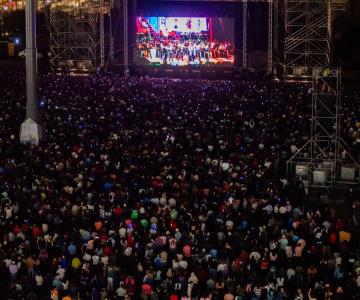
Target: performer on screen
x,y
207,52
192,52
158,50
164,55
197,50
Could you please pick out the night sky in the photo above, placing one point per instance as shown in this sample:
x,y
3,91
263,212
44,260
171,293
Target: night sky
x,y
346,28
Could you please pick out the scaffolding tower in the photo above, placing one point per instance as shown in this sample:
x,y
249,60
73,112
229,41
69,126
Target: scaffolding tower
x,y
272,32
308,34
125,15
119,32
324,160
270,36
244,35
77,33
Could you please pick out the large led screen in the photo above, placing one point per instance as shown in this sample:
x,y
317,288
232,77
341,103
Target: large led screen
x,y
183,41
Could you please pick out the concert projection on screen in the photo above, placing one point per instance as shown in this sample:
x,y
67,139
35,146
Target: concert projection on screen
x,y
184,41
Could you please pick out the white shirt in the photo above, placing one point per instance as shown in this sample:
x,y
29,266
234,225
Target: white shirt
x,y
8,212
358,281
280,282
183,264
120,292
288,251
95,260
61,273
7,262
39,280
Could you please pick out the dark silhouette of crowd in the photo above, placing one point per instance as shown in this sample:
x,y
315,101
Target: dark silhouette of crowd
x,y
168,189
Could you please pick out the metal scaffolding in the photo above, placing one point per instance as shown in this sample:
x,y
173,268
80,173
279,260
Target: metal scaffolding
x,y
102,35
76,37
308,34
324,159
125,32
270,36
276,25
111,33
244,36
120,31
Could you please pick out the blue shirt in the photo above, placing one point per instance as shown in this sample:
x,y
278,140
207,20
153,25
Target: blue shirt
x,y
71,249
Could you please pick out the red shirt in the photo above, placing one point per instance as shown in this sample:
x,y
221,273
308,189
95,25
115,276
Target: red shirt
x,y
187,251
17,229
107,251
264,265
332,238
36,231
117,212
130,241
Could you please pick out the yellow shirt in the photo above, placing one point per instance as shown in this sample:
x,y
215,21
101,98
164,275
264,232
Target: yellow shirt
x,y
344,236
76,263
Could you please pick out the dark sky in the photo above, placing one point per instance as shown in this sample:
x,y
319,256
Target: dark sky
x,y
355,7
347,37
346,27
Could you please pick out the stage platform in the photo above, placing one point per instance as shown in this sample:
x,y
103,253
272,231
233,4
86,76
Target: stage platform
x,y
190,72
184,63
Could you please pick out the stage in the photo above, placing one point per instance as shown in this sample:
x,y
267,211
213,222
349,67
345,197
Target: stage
x,y
191,72
157,61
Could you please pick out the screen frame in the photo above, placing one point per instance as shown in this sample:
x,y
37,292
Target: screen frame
x,y
227,61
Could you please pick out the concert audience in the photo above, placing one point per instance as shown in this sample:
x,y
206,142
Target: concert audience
x,y
167,189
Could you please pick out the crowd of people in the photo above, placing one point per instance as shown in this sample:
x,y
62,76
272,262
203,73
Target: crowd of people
x,y
168,189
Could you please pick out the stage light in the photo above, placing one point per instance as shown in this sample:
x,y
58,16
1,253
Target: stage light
x,y
17,41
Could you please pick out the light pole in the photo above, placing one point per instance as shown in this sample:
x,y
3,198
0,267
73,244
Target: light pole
x,y
30,131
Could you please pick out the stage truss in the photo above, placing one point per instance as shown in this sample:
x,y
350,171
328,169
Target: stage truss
x,y
324,160
119,31
273,30
77,33
308,34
